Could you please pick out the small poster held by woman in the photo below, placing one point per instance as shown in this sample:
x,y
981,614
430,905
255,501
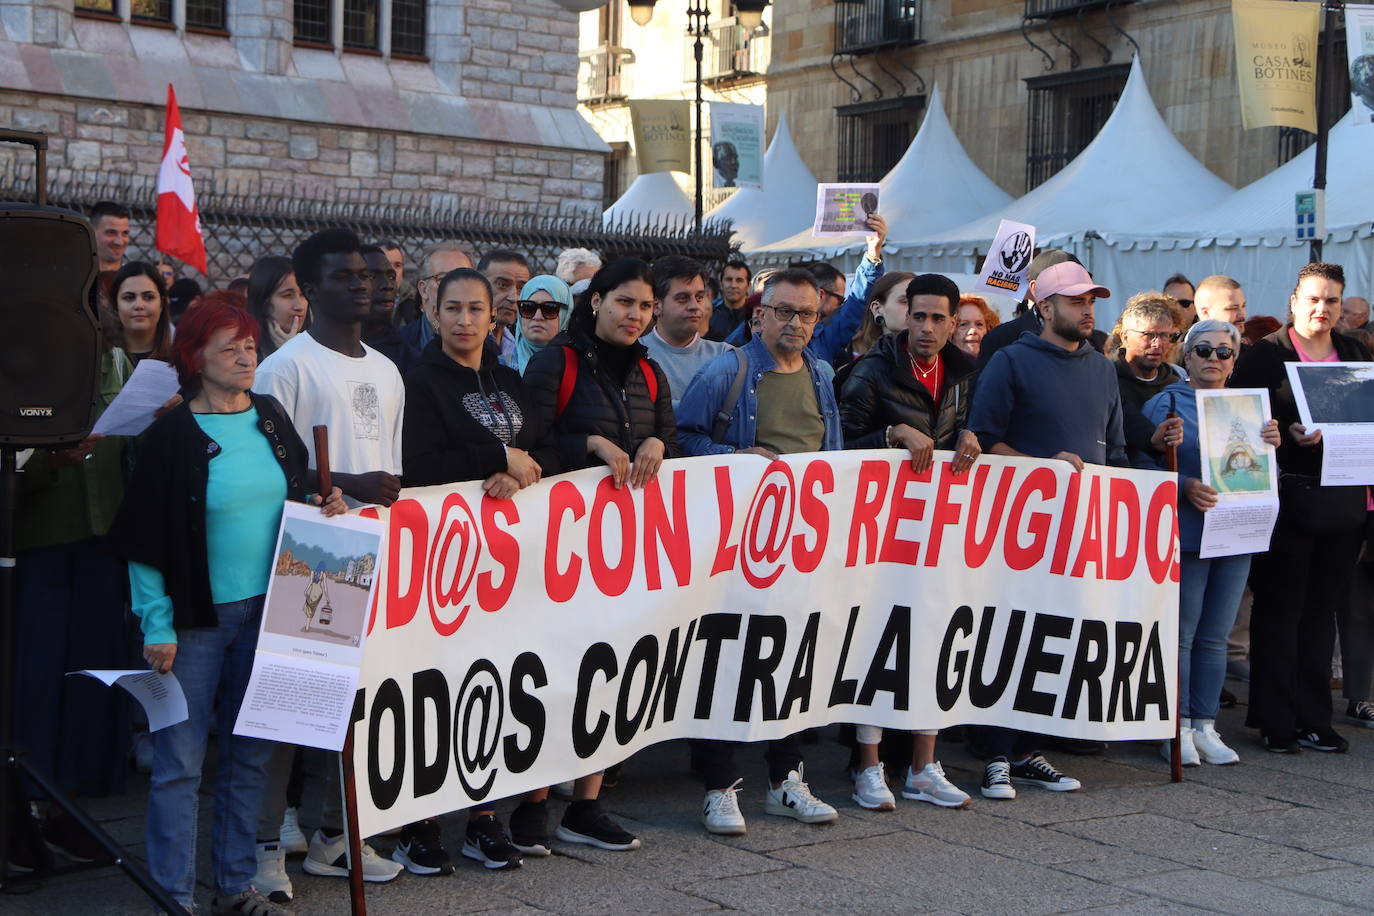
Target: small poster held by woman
x,y
1241,467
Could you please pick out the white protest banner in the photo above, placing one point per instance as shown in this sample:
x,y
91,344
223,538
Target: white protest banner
x,y
1004,269
736,145
1359,43
1241,467
843,209
519,643
310,644
1338,399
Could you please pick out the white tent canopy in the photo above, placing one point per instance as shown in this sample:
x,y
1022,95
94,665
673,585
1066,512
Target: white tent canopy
x,y
933,186
652,199
1250,235
783,206
1134,174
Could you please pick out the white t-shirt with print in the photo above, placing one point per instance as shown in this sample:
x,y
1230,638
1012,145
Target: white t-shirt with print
x,y
361,399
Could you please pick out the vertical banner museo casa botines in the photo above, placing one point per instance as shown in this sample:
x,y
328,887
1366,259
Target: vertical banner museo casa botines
x,y
1276,62
519,643
662,134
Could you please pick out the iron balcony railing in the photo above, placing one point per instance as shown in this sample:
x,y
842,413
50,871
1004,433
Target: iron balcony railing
x,y
865,26
731,54
603,74
1053,9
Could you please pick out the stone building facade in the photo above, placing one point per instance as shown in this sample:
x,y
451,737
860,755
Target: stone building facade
x,y
853,78
484,114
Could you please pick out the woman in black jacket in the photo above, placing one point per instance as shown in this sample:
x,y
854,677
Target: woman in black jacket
x,y
594,384
1306,574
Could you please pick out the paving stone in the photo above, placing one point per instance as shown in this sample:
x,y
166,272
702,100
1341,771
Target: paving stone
x,y
1229,894
1307,828
1354,886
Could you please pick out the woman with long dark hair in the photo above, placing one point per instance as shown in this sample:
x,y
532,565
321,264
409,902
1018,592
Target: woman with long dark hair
x,y
141,312
276,303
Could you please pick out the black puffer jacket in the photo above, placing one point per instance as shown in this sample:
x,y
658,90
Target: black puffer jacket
x,y
458,421
601,405
881,392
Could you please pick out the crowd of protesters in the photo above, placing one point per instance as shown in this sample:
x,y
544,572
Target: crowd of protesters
x,y
472,368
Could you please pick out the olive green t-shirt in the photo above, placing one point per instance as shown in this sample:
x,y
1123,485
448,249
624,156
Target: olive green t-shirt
x,y
789,419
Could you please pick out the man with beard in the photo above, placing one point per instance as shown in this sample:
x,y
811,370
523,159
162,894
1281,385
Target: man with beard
x,y
1047,396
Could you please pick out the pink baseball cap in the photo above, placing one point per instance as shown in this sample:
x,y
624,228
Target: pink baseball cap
x,y
1067,279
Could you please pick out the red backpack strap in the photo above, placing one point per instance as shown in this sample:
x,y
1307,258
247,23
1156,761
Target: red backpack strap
x,y
568,382
650,378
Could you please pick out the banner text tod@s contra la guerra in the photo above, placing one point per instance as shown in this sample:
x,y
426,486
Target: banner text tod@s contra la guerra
x,y
519,643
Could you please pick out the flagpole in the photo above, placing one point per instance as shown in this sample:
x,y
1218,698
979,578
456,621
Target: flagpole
x,y
1324,77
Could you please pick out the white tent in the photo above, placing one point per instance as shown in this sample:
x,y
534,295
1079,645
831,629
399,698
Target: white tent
x,y
1250,235
933,186
1135,173
785,204
654,199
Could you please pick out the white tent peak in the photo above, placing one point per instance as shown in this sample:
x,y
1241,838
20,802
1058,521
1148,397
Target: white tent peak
x,y
785,204
1135,173
654,198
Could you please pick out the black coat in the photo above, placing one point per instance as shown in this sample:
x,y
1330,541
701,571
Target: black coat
x,y
881,392
600,405
162,520
443,441
1261,366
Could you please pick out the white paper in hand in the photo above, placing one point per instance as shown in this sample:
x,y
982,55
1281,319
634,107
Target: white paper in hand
x,y
131,412
1004,269
160,695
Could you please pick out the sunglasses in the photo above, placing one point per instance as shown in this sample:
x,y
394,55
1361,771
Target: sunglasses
x,y
1171,337
1186,303
547,310
1206,351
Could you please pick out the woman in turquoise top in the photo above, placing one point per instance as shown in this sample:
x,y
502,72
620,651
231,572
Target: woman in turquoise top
x,y
198,527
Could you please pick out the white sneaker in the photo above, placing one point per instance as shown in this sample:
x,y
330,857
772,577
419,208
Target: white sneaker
x,y
931,785
720,813
1211,748
871,791
292,839
329,858
271,878
794,799
1190,757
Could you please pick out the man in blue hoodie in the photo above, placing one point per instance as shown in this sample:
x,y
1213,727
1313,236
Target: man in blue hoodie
x,y
1047,396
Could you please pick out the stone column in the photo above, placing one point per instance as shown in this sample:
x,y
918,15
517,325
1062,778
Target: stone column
x,y
262,31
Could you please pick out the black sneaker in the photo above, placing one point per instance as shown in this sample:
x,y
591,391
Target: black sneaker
x,y
1284,745
1035,770
27,851
1360,713
529,828
585,822
1325,740
64,835
486,842
421,849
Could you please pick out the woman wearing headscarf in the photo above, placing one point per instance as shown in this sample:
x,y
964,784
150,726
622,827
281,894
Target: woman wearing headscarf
x,y
544,306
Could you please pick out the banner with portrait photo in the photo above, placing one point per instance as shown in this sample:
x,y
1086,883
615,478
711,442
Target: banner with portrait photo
x,y
736,145
663,135
1359,44
1338,399
1241,467
521,643
1276,62
843,209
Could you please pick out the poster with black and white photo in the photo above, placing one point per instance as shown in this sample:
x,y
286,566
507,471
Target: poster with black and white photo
x,y
736,145
1359,43
1338,399
844,209
1004,269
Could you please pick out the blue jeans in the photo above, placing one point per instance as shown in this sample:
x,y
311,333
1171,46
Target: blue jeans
x,y
1209,593
213,665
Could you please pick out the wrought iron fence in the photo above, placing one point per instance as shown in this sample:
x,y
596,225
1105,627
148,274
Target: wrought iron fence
x,y
865,26
732,54
1053,9
603,74
242,224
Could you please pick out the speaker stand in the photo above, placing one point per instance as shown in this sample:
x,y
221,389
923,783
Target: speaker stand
x,y
12,760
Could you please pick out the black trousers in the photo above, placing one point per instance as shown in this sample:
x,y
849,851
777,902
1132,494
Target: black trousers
x,y
1298,586
1355,622
994,741
715,760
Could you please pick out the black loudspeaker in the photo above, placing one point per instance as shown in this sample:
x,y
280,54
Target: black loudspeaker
x,y
50,345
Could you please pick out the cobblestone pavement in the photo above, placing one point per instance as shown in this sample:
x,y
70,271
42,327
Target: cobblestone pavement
x,y
1274,834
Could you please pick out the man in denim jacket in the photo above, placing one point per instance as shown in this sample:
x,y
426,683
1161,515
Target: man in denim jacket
x,y
785,405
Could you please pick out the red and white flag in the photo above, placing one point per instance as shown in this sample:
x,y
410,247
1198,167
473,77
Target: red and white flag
x,y
178,221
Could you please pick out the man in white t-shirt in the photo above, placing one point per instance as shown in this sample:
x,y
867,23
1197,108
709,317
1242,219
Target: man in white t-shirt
x,y
328,377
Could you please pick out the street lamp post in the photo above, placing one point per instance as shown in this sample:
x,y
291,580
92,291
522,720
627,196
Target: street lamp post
x,y
749,14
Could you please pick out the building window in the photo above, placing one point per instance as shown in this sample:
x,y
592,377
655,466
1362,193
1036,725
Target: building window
x,y
1064,114
205,14
360,24
152,10
408,27
865,26
874,135
613,174
312,21
99,7
1337,92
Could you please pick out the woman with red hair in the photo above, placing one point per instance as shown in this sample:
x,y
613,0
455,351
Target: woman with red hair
x,y
976,318
198,528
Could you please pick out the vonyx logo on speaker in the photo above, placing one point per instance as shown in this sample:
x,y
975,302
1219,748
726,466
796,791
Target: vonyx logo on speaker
x,y
35,412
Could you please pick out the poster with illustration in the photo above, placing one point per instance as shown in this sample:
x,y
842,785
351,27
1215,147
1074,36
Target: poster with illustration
x,y
314,623
1235,458
843,209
